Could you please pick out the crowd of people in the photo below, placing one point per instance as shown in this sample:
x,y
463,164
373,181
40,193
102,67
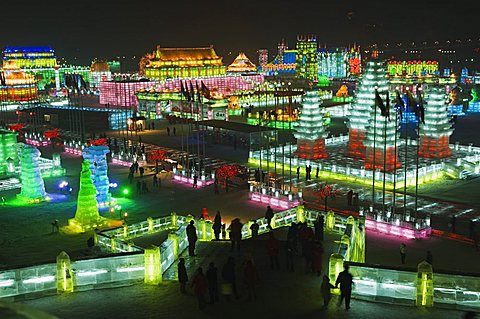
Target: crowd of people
x,y
302,241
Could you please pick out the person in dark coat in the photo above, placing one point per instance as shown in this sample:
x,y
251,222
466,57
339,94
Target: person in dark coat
x,y
251,279
345,280
228,276
319,225
200,286
192,238
269,216
317,258
273,247
235,233
182,275
212,278
326,291
217,225
290,254
254,227
298,173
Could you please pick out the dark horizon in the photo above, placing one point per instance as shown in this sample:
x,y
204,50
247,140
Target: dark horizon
x,y
106,29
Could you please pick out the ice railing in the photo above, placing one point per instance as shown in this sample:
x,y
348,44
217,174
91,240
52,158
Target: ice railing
x,y
425,171
128,264
273,154
379,283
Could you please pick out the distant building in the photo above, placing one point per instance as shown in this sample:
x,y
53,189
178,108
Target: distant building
x,y
99,71
413,68
42,63
166,63
16,85
115,66
121,93
284,62
307,58
31,57
241,64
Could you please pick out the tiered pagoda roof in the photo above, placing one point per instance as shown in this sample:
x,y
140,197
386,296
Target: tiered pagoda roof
x,y
241,64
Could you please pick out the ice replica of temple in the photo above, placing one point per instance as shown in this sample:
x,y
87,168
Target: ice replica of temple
x,y
166,63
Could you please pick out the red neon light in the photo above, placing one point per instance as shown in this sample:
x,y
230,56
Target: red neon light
x,y
307,149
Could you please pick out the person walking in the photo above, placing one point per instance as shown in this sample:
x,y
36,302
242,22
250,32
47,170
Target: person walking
x,y
212,277
318,226
229,284
168,131
254,227
269,216
298,174
345,280
403,252
141,169
139,187
155,181
192,238
251,279
290,254
200,285
325,290
182,275
217,225
174,131
292,235
273,247
317,258
215,187
235,233
317,171
195,179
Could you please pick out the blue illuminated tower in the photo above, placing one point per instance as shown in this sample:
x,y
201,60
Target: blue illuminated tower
x,y
96,155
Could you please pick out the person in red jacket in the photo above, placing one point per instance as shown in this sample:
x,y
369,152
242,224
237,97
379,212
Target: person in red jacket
x,y
200,286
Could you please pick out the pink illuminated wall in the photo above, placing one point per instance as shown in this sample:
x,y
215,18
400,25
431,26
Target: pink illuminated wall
x,y
122,93
225,84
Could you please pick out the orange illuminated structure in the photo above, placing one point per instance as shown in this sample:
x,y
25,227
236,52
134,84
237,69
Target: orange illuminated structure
x,y
166,63
16,85
241,64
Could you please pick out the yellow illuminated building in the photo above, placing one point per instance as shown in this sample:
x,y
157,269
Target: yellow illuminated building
x,y
166,63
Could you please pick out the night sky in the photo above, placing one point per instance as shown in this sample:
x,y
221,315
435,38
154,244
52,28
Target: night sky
x,y
105,28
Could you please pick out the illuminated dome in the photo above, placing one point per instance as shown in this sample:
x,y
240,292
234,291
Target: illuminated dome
x,y
100,66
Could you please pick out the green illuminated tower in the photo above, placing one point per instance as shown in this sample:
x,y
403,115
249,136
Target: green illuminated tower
x,y
436,131
33,187
310,129
307,58
8,149
362,106
86,216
